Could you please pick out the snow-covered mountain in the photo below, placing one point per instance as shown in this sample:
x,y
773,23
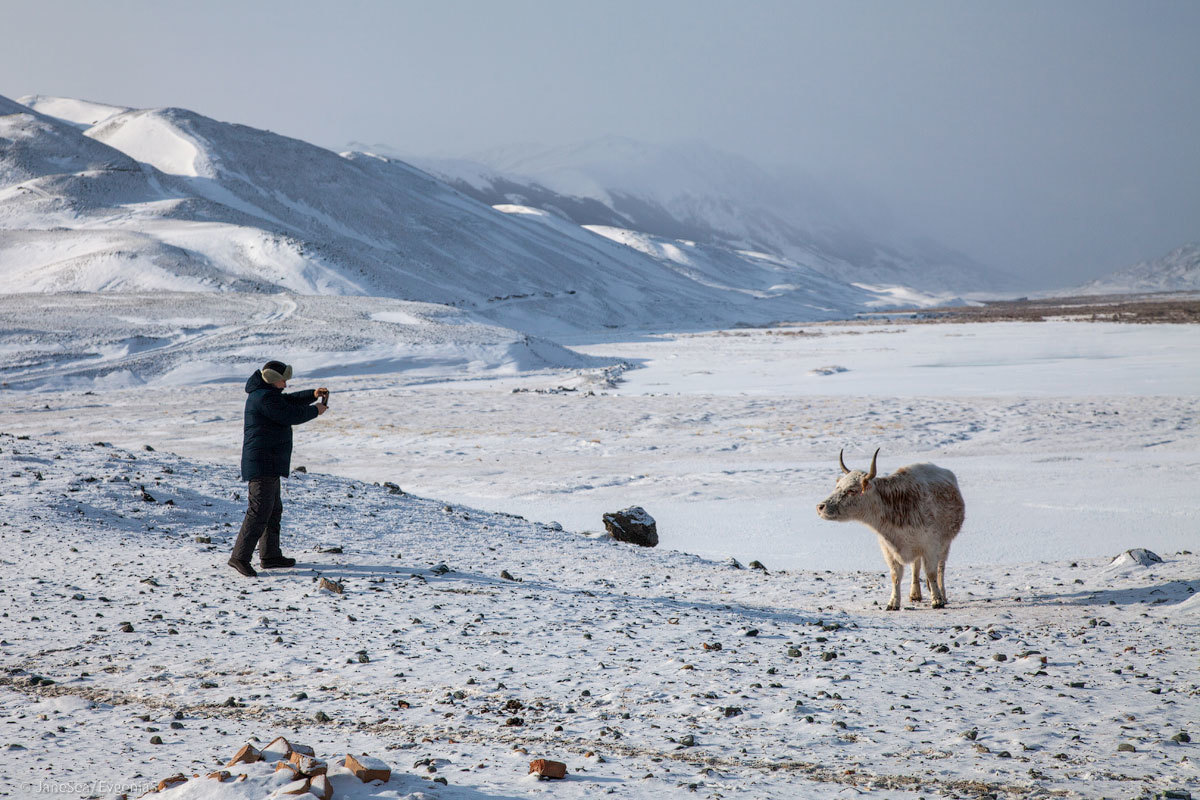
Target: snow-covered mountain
x,y
1177,271
167,199
692,191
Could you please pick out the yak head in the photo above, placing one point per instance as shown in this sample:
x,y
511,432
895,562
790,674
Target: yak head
x,y
850,493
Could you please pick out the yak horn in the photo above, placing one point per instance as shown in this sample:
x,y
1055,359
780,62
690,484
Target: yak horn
x,y
871,474
842,461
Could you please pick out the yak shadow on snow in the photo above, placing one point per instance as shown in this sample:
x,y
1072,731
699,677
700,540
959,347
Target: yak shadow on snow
x,y
1165,594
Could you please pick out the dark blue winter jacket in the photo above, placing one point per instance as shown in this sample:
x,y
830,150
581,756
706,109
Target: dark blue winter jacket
x,y
267,436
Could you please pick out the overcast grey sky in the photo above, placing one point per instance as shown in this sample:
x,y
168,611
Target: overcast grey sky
x,y
1053,139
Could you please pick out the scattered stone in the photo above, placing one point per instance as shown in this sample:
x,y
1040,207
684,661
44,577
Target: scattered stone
x,y
335,550
308,765
331,586
221,776
148,448
368,769
507,576
321,787
147,497
633,526
545,768
249,754
321,716
1138,555
440,569
278,749
296,787
688,741
204,539
171,782
1126,747
300,468
731,711
156,740
126,627
392,488
756,564
1181,737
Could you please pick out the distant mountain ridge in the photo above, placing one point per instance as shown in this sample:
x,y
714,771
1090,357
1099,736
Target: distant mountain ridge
x,y
1178,270
168,199
691,191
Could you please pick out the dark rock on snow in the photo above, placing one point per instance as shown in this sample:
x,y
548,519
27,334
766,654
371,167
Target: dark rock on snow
x,y
632,525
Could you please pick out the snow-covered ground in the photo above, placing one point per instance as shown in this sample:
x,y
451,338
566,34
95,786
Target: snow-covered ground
x,y
1072,441
110,340
598,654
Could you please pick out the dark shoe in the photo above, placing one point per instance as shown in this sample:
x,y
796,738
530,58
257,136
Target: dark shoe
x,y
280,562
243,567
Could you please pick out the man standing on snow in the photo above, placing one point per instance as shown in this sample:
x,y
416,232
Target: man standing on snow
x,y
267,457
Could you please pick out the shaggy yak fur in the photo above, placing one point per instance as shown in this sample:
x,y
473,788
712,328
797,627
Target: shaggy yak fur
x,y
916,513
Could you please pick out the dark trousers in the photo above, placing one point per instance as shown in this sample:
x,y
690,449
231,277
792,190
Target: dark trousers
x,y
261,525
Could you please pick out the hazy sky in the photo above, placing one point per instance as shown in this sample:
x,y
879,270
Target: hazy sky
x,y
1053,139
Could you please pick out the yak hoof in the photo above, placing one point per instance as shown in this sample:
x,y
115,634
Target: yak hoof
x,y
915,597
893,606
939,603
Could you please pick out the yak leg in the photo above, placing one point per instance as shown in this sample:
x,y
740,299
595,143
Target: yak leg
x,y
914,593
897,568
941,578
935,575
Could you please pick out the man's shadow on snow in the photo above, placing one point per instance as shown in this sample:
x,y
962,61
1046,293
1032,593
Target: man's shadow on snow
x,y
664,605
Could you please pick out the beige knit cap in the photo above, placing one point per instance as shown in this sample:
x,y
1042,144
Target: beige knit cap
x,y
270,375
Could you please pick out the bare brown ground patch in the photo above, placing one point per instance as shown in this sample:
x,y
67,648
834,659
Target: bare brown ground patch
x,y
1161,308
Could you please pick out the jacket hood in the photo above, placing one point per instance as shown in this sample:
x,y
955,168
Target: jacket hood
x,y
255,382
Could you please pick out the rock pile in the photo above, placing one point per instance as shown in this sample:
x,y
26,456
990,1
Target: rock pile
x,y
308,774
